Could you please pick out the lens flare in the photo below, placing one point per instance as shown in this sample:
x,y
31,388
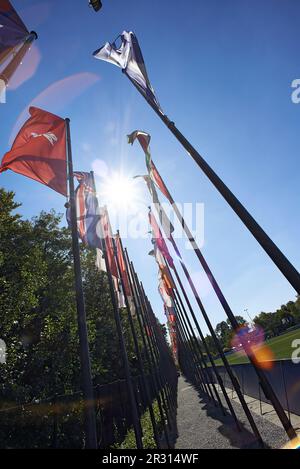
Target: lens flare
x,y
56,96
246,338
263,356
118,191
293,444
26,69
250,341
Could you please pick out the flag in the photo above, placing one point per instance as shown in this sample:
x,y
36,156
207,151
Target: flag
x,y
165,296
164,272
87,210
108,239
159,240
165,282
39,150
163,217
144,140
122,265
110,252
119,292
100,261
12,29
128,57
172,318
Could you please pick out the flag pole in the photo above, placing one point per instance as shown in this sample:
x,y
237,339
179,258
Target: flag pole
x,y
263,380
279,259
149,358
128,378
136,345
196,376
214,367
195,344
6,53
166,357
152,323
87,383
154,352
212,332
267,388
12,66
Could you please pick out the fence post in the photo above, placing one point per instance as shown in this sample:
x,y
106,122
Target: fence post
x,y
285,390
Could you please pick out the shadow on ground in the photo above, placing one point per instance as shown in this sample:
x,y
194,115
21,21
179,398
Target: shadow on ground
x,y
200,423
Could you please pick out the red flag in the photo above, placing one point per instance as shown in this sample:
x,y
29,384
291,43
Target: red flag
x,y
122,266
160,242
39,150
159,182
144,140
107,234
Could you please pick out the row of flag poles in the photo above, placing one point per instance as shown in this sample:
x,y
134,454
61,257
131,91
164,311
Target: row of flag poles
x,y
42,151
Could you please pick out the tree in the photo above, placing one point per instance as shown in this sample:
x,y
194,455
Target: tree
x,y
39,326
211,345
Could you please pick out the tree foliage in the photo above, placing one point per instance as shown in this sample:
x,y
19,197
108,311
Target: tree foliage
x,y
38,319
273,324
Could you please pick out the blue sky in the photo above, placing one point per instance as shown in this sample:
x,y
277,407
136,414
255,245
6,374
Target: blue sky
x,y
223,72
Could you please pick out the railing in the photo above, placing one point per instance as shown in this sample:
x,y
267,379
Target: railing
x,y
284,376
57,422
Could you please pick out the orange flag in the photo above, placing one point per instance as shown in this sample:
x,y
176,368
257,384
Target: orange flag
x,y
39,150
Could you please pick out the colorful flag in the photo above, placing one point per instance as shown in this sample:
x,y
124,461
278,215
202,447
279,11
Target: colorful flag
x,y
12,29
164,272
108,239
165,296
119,292
87,210
39,150
163,217
100,261
122,265
128,56
144,140
159,240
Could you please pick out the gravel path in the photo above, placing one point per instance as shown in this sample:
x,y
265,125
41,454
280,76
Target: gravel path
x,y
202,425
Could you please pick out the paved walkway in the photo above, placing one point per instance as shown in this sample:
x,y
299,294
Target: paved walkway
x,y
202,425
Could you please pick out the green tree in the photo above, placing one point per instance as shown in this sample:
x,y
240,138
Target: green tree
x,y
38,322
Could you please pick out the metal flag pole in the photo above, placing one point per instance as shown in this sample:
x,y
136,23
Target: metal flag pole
x,y
214,367
6,53
146,345
195,344
87,383
154,351
264,382
157,345
212,332
128,378
199,379
279,259
135,340
12,66
161,347
158,356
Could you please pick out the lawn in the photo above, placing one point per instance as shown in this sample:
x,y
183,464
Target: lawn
x,y
281,347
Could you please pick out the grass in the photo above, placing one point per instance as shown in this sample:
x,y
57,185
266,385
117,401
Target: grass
x,y
148,438
281,347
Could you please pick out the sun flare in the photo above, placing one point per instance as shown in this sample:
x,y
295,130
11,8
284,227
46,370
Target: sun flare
x,y
119,191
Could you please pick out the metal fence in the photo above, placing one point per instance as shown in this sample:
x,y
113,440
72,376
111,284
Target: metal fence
x,y
57,422
284,376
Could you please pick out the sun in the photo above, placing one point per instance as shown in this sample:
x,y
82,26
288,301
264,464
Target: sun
x,y
119,191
